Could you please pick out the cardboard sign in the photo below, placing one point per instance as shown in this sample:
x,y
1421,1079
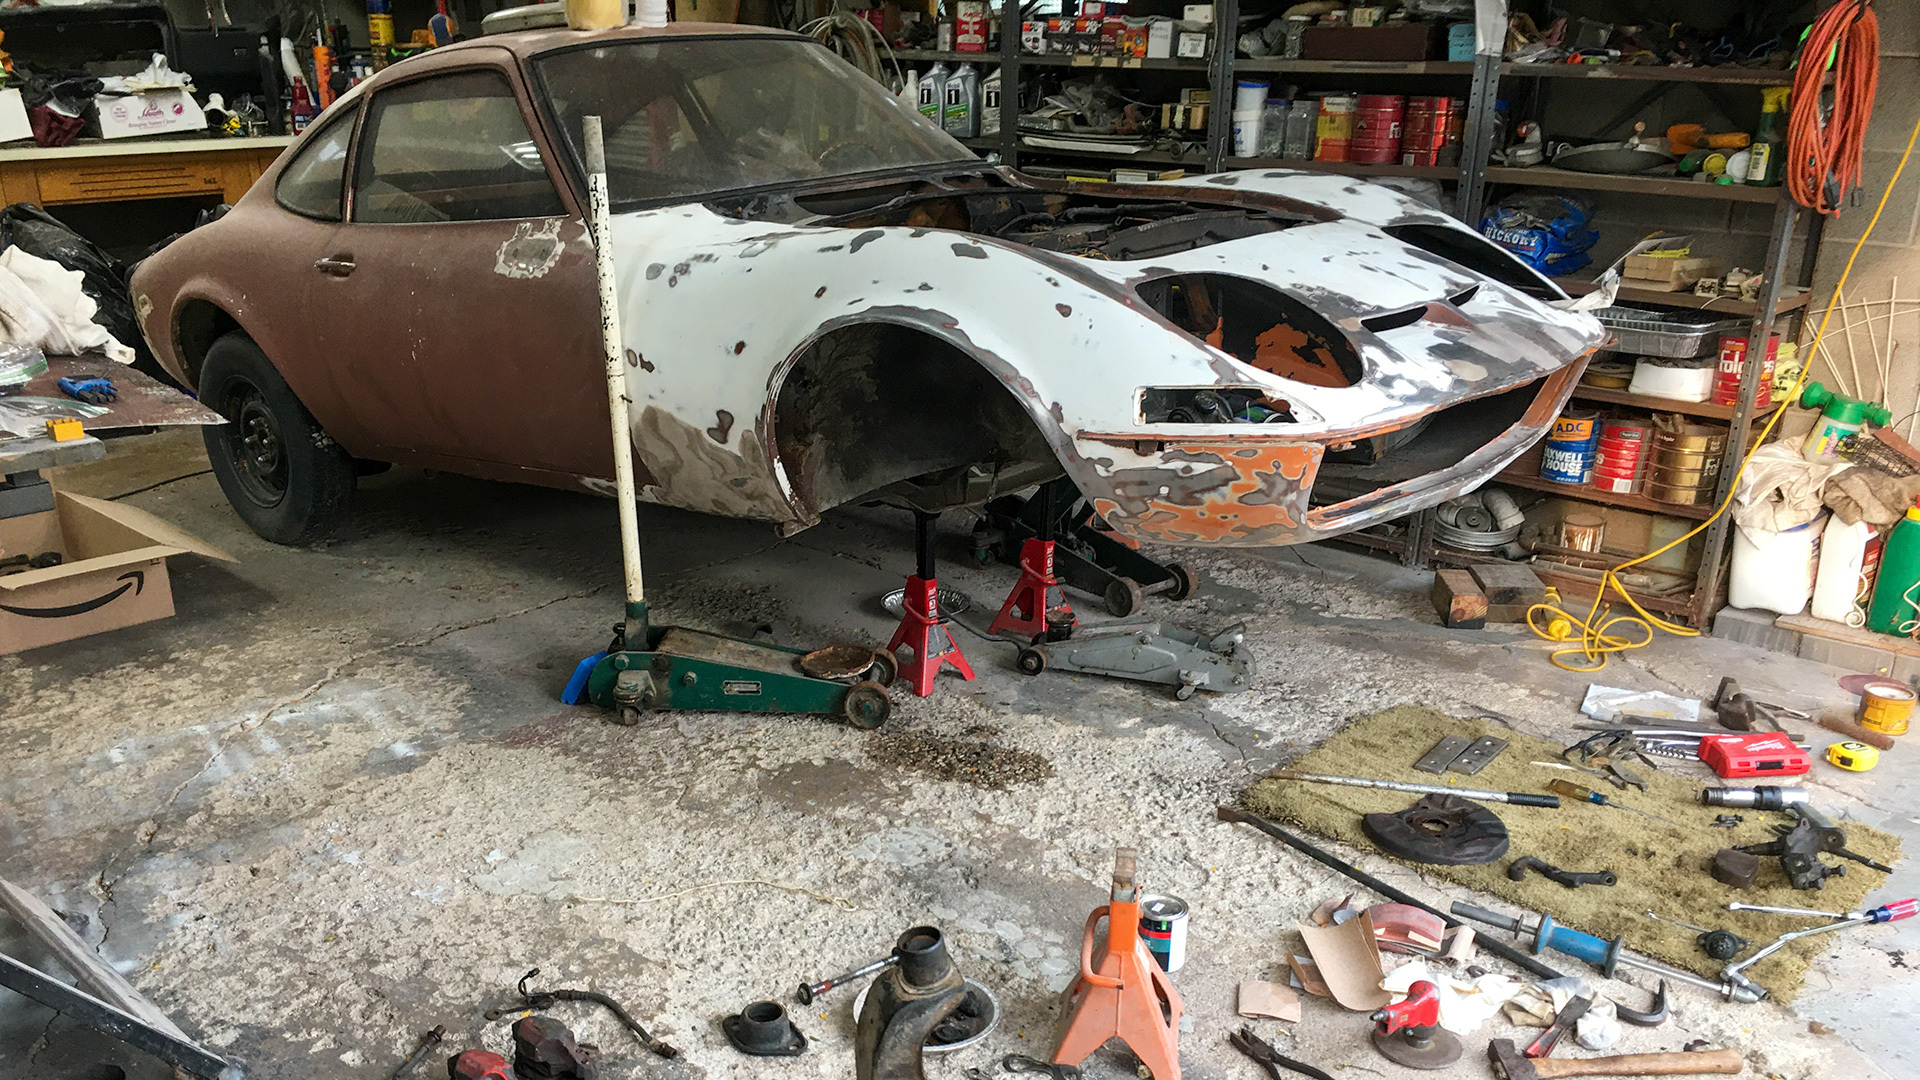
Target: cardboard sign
x,y
152,112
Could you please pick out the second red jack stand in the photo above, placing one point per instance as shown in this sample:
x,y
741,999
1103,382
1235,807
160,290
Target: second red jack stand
x,y
922,630
1036,609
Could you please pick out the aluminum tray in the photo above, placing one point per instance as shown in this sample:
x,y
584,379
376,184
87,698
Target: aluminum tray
x,y
1677,335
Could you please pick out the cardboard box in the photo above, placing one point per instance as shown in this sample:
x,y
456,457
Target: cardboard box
x,y
115,573
1409,42
1193,46
155,112
1666,274
1197,13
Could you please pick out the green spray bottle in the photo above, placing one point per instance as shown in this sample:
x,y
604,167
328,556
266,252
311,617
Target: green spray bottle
x,y
1843,417
1891,611
1767,159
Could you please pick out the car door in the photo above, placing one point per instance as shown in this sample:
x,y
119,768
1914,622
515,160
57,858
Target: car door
x,y
459,293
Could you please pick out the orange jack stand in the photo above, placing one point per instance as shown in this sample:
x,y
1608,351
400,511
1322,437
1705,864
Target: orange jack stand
x,y
1036,608
1124,994
921,629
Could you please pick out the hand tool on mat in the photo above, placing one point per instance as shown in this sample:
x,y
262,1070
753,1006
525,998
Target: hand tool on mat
x,y
1735,974
1271,1061
1562,1020
1516,798
650,667
1584,794
1510,1064
1603,954
1498,948
1719,944
1517,871
428,1044
1408,1032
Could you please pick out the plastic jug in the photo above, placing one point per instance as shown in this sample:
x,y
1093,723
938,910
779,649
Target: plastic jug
x,y
990,104
933,87
960,103
1843,417
1891,611
1774,571
1843,552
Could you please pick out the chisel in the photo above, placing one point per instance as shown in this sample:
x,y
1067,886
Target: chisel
x,y
1517,798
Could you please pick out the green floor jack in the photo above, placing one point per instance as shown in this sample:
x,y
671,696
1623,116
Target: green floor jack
x,y
670,667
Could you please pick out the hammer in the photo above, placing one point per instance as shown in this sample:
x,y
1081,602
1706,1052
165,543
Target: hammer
x,y
1509,1063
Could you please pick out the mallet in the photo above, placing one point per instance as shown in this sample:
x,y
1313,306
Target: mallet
x,y
1509,1063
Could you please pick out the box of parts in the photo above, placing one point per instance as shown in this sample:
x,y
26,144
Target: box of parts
x,y
112,573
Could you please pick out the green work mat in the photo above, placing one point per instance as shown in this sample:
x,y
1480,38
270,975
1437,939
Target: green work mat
x,y
1659,866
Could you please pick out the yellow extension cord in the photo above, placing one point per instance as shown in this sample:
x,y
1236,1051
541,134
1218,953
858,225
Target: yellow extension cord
x,y
1593,639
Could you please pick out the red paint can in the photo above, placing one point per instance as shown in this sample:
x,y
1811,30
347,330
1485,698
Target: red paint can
x,y
1733,359
1378,123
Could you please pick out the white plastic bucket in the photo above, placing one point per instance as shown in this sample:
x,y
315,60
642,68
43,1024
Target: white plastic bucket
x,y
1246,131
1774,571
1249,94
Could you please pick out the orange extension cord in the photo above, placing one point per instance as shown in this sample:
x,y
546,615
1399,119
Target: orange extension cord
x,y
1823,154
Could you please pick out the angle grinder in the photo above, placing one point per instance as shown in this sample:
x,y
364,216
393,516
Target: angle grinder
x,y
1408,1032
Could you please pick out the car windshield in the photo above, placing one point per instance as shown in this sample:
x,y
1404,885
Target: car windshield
x,y
689,118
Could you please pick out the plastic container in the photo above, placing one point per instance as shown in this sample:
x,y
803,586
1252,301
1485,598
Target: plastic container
x,y
990,104
1273,127
1891,611
1843,553
1774,571
1843,417
595,14
1675,334
1335,128
1249,94
1567,454
932,88
1303,117
960,103
1246,131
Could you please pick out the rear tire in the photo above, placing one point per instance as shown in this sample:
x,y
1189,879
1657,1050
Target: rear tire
x,y
285,477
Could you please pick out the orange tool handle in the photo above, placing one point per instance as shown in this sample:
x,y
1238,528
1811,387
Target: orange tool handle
x,y
1093,977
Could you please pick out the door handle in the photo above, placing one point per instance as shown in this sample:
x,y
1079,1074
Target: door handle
x,y
336,265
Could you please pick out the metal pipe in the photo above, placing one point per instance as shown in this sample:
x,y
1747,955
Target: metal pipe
x,y
1793,911
613,345
1517,798
809,991
1734,973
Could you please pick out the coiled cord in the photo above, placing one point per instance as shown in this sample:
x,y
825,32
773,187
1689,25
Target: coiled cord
x,y
1824,151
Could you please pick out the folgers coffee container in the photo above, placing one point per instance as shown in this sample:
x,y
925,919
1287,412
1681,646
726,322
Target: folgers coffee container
x,y
1336,128
1424,130
1163,926
1619,462
1567,455
1685,463
1378,125
1733,358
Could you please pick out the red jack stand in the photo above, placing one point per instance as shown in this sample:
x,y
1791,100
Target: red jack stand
x,y
1125,995
921,628
1036,609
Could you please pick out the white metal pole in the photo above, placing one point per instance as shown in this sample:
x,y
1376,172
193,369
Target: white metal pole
x,y
615,349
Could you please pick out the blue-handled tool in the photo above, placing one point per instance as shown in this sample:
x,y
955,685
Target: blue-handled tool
x,y
1603,954
94,391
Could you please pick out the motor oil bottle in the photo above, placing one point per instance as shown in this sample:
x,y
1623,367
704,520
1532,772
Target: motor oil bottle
x,y
960,108
1767,157
931,91
1892,610
990,104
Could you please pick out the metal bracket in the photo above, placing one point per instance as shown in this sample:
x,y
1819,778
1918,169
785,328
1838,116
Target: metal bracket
x,y
104,1018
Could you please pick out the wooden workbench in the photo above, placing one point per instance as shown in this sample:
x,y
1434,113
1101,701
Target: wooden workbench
x,y
112,171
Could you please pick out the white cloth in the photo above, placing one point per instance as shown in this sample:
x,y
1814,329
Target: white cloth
x,y
42,305
1464,1005
157,76
1780,489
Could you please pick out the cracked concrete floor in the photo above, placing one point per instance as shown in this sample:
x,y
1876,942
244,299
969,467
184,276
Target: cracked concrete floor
x,y
335,802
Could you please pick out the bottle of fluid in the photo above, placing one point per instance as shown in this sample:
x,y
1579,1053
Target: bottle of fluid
x,y
960,108
910,89
1843,554
1767,157
1892,610
990,104
931,92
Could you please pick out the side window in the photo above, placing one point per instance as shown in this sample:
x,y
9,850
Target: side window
x,y
450,148
311,183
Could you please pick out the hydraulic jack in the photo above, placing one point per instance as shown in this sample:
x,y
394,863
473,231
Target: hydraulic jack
x,y
668,667
1086,557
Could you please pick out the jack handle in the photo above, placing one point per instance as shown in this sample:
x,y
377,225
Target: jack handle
x,y
1092,977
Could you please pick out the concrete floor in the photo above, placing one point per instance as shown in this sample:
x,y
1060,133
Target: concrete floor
x,y
335,801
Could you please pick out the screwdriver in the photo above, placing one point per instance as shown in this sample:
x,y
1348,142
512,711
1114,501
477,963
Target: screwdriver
x,y
1574,791
1899,909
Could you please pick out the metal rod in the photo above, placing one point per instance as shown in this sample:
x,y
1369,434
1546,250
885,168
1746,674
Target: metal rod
x,y
809,991
614,348
1518,798
1792,911
1498,948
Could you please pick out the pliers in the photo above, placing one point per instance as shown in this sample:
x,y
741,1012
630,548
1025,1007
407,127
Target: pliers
x,y
1268,1058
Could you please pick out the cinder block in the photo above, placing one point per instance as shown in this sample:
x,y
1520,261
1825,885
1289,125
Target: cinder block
x,y
1844,655
1752,627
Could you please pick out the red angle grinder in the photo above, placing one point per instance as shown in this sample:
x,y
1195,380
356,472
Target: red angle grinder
x,y
1409,1033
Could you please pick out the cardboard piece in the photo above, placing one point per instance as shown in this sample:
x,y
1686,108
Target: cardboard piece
x,y
1323,915
115,573
1264,1000
1349,962
13,116
1307,974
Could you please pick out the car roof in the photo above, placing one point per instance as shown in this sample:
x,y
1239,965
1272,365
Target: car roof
x,y
525,43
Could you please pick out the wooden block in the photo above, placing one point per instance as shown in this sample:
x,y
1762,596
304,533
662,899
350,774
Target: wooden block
x,y
1459,601
1509,583
1506,613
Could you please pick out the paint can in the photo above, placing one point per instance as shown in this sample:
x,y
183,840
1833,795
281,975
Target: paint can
x,y
1733,360
1886,707
1335,128
1583,531
1424,131
1163,926
1378,123
1619,459
1567,454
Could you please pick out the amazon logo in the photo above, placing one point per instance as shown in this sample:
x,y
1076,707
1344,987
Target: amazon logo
x,y
133,579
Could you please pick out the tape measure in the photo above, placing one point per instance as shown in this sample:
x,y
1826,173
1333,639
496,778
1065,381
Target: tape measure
x,y
1853,756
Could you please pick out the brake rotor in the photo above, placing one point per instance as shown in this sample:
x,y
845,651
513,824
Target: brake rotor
x,y
1444,830
838,661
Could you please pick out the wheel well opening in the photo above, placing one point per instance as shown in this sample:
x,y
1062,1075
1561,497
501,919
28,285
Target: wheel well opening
x,y
888,411
199,324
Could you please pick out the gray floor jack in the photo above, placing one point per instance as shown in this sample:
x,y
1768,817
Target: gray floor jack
x,y
1086,557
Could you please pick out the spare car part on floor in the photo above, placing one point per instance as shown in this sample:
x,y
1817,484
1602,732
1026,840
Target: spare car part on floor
x,y
1584,794
1036,610
1122,994
1498,948
1150,651
530,1001
1719,944
545,1049
970,1022
1562,1020
904,1005
651,667
1440,829
428,1044
1653,1017
1510,1064
109,1004
923,625
1517,871
1603,954
1732,866
1408,1032
479,1065
1735,974
1271,1061
1758,797
1516,798
809,991
763,1029
1086,556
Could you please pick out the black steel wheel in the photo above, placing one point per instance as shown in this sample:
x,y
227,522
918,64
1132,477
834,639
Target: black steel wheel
x,y
1183,582
282,474
1031,661
866,705
885,669
1124,597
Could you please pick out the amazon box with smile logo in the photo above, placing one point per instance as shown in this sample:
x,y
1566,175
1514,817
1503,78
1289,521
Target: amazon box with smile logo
x,y
113,571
